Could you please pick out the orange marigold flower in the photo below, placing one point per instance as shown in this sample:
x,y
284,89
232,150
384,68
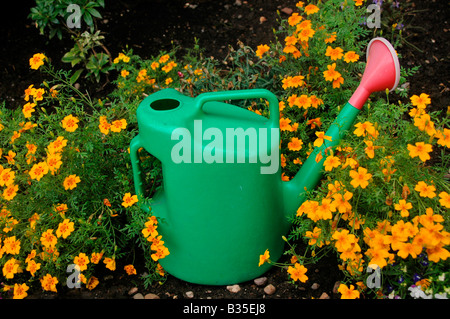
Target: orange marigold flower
x,y
37,60
351,56
130,270
425,190
71,181
311,8
421,150
69,123
295,144
129,200
331,74
298,272
261,49
420,101
334,54
294,19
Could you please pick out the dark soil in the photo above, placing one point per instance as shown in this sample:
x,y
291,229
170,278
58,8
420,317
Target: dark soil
x,y
151,26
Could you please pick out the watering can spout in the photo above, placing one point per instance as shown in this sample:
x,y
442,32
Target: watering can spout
x,y
382,72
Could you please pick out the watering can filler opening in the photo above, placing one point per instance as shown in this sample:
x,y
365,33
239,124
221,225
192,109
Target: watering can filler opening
x,y
223,202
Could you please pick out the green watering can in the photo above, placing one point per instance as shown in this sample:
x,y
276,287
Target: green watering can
x,y
222,202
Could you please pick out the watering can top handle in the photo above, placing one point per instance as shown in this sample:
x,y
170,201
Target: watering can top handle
x,y
218,96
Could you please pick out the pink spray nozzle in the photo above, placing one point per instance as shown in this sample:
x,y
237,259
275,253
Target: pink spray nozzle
x,y
382,71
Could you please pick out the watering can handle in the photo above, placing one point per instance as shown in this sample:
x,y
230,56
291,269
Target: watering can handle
x,y
135,145
274,117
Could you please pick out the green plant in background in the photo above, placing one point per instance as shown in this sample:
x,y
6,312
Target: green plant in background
x,y
77,18
381,209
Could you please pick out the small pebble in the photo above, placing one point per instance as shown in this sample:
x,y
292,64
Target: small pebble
x,y
132,291
189,294
138,296
234,288
336,287
151,296
260,281
315,286
324,295
270,289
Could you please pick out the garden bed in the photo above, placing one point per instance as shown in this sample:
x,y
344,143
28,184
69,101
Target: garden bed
x,y
151,26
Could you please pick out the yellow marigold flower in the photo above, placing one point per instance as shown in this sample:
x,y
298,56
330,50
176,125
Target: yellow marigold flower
x,y
57,145
7,177
290,40
331,74
129,200
10,268
334,54
28,109
37,60
71,181
370,149
285,124
154,65
310,9
337,83
261,49
54,162
437,253
359,2
130,270
331,162
92,283
11,245
348,293
360,177
403,207
81,261
313,236
421,150
69,123
264,258
295,144
15,136
331,38
406,249
424,123
164,58
96,257
351,56
29,92
39,94
298,272
38,170
445,199
110,263
104,126
362,129
20,291
315,102
65,228
32,267
160,253
425,190
48,283
321,137
420,101
293,50
294,19
305,34
10,157
303,101
124,73
443,137
118,125
48,240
